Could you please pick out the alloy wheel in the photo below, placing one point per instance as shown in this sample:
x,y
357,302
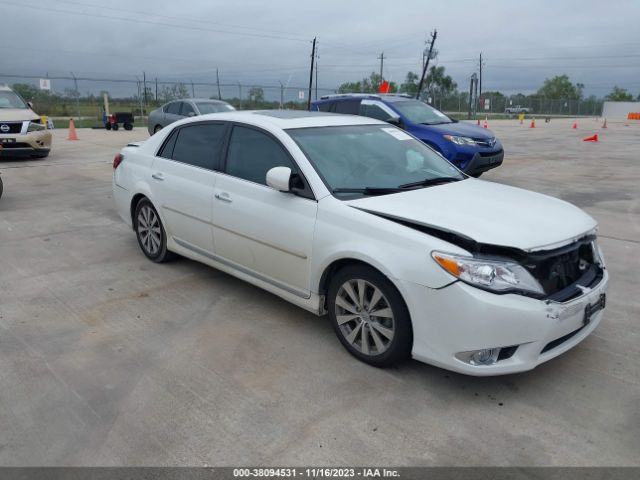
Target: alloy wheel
x,y
364,317
149,230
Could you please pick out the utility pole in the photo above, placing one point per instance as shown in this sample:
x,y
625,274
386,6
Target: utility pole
x,y
281,95
480,80
156,89
473,83
381,58
77,95
218,83
144,92
313,57
426,64
193,90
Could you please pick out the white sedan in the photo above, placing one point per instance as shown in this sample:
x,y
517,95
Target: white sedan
x,y
354,218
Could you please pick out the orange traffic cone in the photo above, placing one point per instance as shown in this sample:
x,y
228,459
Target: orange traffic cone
x,y
575,125
533,123
486,122
604,125
72,131
592,138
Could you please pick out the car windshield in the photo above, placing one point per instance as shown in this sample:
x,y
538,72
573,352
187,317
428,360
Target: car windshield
x,y
9,99
213,107
419,112
371,159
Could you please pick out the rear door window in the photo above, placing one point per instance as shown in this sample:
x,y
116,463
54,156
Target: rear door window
x,y
174,108
199,145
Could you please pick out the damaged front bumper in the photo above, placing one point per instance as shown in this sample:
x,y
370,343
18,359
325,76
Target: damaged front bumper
x,y
459,319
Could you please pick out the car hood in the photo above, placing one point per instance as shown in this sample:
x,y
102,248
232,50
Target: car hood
x,y
486,212
461,129
17,114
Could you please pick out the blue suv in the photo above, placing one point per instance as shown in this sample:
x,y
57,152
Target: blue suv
x,y
471,148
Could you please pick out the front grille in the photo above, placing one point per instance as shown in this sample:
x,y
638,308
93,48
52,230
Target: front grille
x,y
10,127
483,142
490,154
560,270
9,146
559,341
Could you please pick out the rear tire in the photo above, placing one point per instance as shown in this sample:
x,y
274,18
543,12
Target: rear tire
x,y
115,127
370,316
150,232
128,126
108,126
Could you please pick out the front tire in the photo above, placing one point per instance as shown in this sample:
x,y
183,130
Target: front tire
x,y
370,316
150,232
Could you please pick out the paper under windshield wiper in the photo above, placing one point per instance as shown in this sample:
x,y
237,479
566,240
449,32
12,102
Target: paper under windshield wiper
x,y
368,190
427,182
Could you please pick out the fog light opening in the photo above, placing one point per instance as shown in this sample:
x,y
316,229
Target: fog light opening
x,y
487,356
484,357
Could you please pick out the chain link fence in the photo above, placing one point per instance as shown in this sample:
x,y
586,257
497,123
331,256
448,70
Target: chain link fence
x,y
83,98
493,103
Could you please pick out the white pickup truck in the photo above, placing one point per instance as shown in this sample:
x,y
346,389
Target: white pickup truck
x,y
517,109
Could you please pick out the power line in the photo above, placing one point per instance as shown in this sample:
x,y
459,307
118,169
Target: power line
x,y
174,17
149,22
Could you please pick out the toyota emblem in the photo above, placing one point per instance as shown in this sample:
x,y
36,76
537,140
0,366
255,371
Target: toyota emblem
x,y
4,128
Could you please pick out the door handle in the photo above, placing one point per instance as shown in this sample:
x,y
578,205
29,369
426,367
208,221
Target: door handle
x,y
224,197
157,176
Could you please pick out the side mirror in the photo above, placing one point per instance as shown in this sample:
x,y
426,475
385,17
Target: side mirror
x,y
279,178
30,105
455,120
396,121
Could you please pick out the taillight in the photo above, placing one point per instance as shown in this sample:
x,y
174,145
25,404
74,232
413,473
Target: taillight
x,y
117,160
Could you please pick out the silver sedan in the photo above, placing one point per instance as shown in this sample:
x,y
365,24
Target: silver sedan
x,y
179,109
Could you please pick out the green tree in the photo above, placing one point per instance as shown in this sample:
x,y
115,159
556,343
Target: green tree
x,y
26,91
173,92
619,95
256,95
366,85
410,84
436,83
560,87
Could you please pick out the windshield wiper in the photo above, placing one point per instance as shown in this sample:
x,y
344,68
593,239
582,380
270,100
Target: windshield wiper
x,y
369,190
427,182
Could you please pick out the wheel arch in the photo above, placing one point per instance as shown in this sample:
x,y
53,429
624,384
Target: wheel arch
x,y
134,203
338,264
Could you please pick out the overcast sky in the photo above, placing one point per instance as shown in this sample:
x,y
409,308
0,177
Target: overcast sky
x,y
263,42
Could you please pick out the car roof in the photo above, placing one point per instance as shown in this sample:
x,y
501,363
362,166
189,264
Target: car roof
x,y
286,119
198,100
394,97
